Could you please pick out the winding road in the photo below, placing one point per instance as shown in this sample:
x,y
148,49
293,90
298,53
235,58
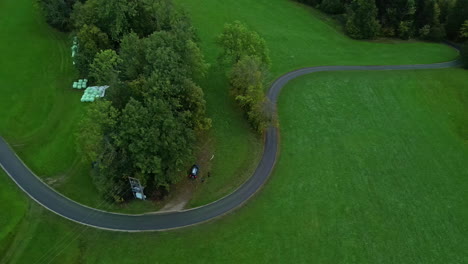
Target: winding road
x,y
61,205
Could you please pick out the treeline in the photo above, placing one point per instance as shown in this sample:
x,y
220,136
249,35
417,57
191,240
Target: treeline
x,y
146,127
246,56
426,19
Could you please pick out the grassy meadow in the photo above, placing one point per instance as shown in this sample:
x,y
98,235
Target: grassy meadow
x,y
372,166
372,170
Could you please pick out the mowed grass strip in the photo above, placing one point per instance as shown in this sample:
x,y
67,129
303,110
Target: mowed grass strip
x,y
372,170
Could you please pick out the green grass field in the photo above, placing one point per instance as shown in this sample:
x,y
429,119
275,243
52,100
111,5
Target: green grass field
x,y
13,201
383,180
40,111
297,36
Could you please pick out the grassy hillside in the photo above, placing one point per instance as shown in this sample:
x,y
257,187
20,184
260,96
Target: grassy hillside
x,y
297,36
40,111
37,108
372,170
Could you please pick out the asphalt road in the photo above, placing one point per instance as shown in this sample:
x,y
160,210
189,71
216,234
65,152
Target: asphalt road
x,y
55,202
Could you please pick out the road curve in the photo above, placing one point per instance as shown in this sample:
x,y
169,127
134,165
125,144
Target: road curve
x,y
55,202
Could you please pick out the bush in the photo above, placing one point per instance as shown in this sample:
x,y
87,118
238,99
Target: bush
x,y
57,13
247,79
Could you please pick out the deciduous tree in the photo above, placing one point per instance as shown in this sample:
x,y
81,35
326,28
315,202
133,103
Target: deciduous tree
x,y
238,41
456,18
247,79
57,13
105,67
361,20
91,40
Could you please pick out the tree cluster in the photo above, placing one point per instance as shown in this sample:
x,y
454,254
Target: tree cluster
x,y
246,54
425,19
147,126
57,13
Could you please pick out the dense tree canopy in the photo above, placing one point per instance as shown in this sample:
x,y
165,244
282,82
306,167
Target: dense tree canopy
x,y
457,16
427,19
147,51
464,31
361,20
119,17
91,40
58,12
105,67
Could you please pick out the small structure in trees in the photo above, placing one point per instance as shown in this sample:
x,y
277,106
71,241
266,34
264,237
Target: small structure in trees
x,y
137,189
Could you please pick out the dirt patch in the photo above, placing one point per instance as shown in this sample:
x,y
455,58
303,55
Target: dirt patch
x,y
182,192
178,201
55,181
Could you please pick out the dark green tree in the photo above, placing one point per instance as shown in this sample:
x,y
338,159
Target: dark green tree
x,y
91,40
156,141
111,16
132,53
57,13
464,31
428,20
119,17
457,16
105,67
361,20
238,41
100,119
